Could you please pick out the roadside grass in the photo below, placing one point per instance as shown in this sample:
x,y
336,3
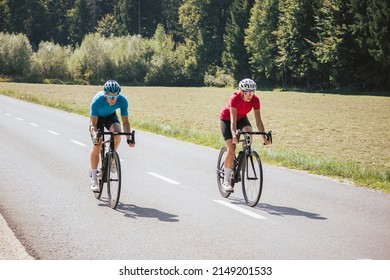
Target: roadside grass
x,y
344,137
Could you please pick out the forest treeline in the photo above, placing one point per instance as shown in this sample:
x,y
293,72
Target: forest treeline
x,y
308,44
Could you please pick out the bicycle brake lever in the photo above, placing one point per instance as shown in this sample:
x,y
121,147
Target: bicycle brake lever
x,y
269,136
132,138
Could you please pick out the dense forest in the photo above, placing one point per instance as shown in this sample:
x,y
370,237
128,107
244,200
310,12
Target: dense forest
x,y
308,44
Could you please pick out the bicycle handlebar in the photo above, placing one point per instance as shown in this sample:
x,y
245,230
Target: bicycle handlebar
x,y
129,141
267,134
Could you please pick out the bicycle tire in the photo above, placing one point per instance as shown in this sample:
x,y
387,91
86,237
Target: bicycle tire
x,y
252,179
221,172
113,179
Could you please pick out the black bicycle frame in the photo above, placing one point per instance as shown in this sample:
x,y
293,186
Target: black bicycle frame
x,y
246,152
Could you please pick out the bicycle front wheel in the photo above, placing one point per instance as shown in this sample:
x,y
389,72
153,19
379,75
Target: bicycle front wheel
x,y
221,172
252,179
113,179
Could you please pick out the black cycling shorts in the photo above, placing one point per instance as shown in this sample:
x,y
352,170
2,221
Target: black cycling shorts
x,y
107,122
225,127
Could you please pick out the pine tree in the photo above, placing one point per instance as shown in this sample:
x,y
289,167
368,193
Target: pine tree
x,y
235,57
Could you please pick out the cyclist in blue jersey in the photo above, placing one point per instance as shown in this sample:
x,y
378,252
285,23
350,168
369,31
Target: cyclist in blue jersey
x,y
103,115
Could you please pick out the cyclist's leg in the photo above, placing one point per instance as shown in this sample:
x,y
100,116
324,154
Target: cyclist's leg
x,y
114,125
94,158
227,135
245,125
228,164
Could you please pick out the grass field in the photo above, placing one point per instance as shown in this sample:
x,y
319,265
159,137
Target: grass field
x,y
343,136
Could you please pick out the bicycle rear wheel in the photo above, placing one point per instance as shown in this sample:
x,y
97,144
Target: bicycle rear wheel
x,y
221,172
113,179
252,179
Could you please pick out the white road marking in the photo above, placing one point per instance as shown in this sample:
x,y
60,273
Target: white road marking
x,y
20,119
53,132
34,124
8,114
242,210
173,182
78,143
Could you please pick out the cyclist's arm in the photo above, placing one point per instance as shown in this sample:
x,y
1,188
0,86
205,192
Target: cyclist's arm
x,y
126,127
233,123
93,125
260,125
93,129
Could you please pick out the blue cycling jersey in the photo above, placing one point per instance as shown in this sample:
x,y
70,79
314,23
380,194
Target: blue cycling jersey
x,y
101,108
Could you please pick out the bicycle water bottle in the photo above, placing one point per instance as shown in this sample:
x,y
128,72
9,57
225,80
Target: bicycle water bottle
x,y
239,163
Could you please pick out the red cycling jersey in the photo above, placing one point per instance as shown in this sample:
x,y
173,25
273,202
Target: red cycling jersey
x,y
243,107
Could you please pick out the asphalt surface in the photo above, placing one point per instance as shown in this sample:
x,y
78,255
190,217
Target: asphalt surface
x,y
170,207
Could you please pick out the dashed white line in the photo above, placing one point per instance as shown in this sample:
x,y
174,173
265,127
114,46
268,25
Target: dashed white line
x,y
34,124
53,132
168,180
8,114
20,119
242,210
78,143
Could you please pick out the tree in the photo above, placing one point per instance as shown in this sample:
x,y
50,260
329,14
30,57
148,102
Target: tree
x,y
165,68
107,26
80,21
296,30
371,29
260,41
21,19
235,57
170,18
126,14
203,22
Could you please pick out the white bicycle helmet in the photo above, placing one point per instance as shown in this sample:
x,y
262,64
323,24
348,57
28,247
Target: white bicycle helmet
x,y
112,86
247,85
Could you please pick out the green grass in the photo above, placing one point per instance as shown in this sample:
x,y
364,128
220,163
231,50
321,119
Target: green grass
x,y
344,137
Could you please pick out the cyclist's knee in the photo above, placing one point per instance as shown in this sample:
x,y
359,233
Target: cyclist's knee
x,y
96,148
231,148
247,128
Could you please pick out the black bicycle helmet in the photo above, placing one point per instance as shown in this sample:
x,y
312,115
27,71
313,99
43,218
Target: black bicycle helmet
x,y
112,87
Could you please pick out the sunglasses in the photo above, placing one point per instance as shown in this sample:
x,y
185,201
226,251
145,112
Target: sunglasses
x,y
249,91
112,97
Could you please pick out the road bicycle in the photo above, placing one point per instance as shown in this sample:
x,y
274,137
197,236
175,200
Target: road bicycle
x,y
109,168
247,168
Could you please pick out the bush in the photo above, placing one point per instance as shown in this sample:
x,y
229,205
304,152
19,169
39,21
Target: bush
x,y
130,55
51,61
216,77
15,55
92,60
165,66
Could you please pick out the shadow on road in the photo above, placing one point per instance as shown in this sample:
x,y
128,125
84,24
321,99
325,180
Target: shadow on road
x,y
134,211
287,211
281,210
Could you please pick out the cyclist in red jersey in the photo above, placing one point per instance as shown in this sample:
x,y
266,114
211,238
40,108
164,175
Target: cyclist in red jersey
x,y
234,116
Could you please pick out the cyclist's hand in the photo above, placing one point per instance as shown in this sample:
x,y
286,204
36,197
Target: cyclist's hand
x,y
266,141
95,138
131,143
131,139
268,138
235,139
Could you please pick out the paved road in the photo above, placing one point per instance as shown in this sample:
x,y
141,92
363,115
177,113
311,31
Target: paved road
x,y
170,207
